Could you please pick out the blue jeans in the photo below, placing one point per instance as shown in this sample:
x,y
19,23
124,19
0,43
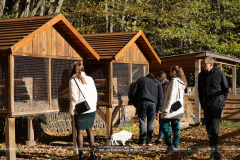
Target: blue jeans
x,y
160,131
146,109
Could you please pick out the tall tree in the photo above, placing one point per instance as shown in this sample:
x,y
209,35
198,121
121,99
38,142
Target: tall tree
x,y
2,5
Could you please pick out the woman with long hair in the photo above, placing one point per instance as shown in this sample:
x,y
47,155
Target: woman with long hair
x,y
83,121
162,77
173,108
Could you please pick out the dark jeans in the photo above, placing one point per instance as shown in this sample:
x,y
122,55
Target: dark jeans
x,y
160,131
167,133
146,109
212,119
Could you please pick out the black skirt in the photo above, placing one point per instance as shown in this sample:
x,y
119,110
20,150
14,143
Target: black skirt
x,y
84,121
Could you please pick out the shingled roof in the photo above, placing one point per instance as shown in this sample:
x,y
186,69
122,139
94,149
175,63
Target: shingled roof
x,y
113,45
16,32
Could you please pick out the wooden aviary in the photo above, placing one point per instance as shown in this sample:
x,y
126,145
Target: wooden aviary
x,y
192,63
124,57
36,58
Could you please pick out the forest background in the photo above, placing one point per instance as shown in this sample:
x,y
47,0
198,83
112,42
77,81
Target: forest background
x,y
172,26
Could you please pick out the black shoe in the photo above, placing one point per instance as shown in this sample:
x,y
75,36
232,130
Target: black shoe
x,y
141,143
170,148
92,157
158,142
80,155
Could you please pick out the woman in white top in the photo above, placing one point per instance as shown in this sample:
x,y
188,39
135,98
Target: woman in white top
x,y
173,108
86,119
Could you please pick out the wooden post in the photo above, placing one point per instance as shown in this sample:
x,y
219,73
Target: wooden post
x,y
197,103
75,146
49,84
219,65
10,139
234,80
109,124
30,141
109,108
11,83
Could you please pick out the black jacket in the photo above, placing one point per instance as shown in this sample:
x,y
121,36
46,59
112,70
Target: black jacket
x,y
212,88
148,88
164,86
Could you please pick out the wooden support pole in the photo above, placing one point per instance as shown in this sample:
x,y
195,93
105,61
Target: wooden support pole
x,y
108,125
197,103
30,141
10,139
11,83
234,80
219,65
75,146
49,84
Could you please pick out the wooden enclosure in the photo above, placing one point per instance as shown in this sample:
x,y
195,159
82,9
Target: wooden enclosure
x,y
192,63
124,57
36,56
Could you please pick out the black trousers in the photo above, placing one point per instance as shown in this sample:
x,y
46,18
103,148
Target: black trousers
x,y
212,119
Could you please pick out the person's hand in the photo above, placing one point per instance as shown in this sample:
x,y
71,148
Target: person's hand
x,y
72,116
157,113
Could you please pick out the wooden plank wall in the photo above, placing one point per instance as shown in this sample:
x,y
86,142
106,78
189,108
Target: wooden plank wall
x,y
133,54
49,43
231,111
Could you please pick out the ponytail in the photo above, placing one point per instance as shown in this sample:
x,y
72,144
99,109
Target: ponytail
x,y
77,69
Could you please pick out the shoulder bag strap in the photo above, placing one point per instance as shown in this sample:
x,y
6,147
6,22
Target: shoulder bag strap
x,y
79,88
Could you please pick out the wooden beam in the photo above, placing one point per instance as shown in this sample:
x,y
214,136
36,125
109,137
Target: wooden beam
x,y
75,146
197,103
50,83
110,83
219,65
234,80
30,141
101,114
11,83
46,56
108,125
10,139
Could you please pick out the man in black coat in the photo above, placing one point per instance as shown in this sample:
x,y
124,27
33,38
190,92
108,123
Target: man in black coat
x,y
213,91
148,97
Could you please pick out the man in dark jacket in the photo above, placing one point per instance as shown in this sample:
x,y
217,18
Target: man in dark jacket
x,y
213,91
148,97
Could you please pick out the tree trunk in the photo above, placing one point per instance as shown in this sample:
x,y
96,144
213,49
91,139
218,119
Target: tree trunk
x,y
15,8
25,13
58,9
43,8
52,7
112,18
106,8
36,8
2,5
135,19
123,16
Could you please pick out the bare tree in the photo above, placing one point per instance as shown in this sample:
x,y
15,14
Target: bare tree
x,y
135,19
106,8
40,2
43,8
2,4
58,8
112,18
15,8
123,16
52,7
25,13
